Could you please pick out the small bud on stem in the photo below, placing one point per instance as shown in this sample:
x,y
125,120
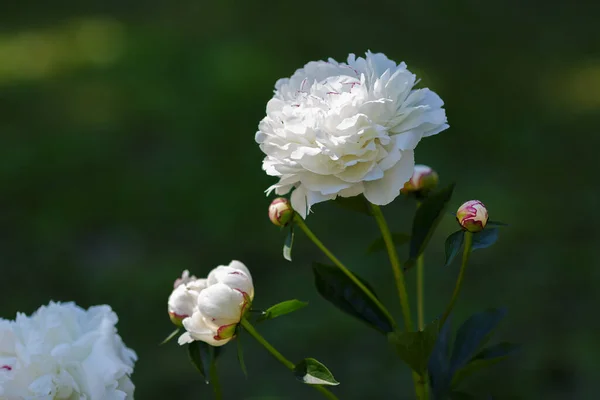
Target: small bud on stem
x,y
472,216
281,211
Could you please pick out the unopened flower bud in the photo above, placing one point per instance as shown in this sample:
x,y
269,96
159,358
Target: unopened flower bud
x,y
472,216
423,179
281,211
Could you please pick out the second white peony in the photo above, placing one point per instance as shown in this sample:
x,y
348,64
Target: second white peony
x,y
64,352
344,129
213,307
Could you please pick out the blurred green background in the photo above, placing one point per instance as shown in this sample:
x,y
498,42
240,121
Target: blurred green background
x,y
127,155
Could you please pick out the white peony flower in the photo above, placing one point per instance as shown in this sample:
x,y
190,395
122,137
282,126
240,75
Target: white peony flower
x,y
220,305
64,352
342,129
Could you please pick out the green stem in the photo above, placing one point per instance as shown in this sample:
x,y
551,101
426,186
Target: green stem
x,y
288,364
395,261
300,222
461,274
420,292
419,382
214,376
420,288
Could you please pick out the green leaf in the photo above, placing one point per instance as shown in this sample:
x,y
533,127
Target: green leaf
x,y
414,348
485,238
354,203
171,336
427,218
289,242
495,223
282,308
438,365
486,358
473,333
379,244
333,285
199,354
454,243
312,372
240,352
501,349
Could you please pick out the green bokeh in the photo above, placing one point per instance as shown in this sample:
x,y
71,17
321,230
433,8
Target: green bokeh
x,y
127,155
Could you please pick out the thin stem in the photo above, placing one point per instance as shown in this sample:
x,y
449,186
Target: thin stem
x,y
288,364
461,274
420,292
250,329
300,222
419,382
214,376
395,261
420,288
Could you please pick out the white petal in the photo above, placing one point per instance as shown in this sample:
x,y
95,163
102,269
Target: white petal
x,y
386,189
325,184
408,140
197,285
437,130
235,278
184,339
198,329
220,304
241,266
317,197
352,191
298,200
182,301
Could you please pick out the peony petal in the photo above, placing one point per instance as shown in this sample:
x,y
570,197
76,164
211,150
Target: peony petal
x,y
182,301
220,304
298,200
235,278
357,172
313,198
185,338
325,184
198,329
385,190
197,285
352,191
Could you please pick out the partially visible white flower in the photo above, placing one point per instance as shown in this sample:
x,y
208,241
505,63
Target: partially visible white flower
x,y
220,305
64,352
342,129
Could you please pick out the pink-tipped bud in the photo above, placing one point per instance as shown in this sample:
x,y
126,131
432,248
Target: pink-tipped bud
x,y
423,179
472,216
281,211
